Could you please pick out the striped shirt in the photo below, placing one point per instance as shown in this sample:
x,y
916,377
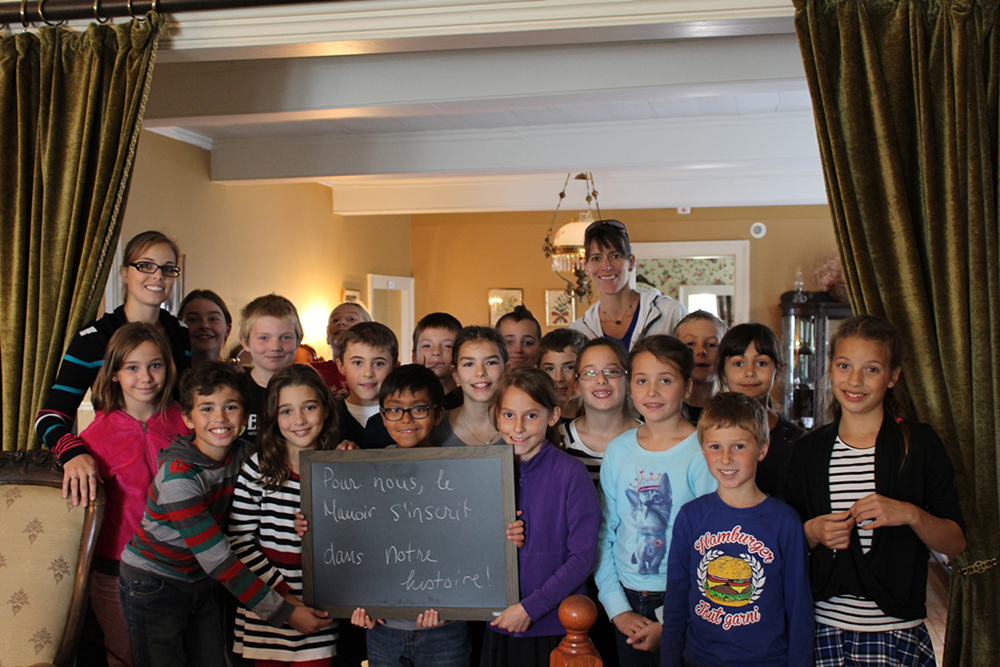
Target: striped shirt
x,y
574,445
261,531
852,477
180,539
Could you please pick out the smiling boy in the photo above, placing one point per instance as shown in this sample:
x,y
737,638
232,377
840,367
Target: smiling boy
x,y
433,338
270,330
170,566
368,352
737,574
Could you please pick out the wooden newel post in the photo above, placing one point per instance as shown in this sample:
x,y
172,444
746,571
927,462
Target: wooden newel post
x,y
577,613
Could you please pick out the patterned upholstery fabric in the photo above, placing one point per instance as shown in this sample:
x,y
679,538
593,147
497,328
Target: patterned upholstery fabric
x,y
39,546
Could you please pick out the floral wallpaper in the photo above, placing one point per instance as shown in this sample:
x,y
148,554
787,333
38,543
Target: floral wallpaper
x,y
667,275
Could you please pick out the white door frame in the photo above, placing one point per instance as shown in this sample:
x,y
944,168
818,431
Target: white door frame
x,y
404,284
739,250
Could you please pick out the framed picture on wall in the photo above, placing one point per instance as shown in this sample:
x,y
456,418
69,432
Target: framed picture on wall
x,y
350,295
503,301
560,308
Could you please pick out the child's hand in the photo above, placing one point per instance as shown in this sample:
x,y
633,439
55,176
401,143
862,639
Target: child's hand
x,y
513,619
361,619
831,530
882,511
629,623
80,479
515,531
429,619
346,445
308,620
301,525
291,599
647,638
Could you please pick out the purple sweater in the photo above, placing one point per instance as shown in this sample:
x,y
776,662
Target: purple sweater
x,y
561,518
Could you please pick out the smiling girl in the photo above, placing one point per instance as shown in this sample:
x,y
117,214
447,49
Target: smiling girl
x,y
561,517
149,268
299,416
647,474
876,491
602,383
749,362
479,358
136,418
209,323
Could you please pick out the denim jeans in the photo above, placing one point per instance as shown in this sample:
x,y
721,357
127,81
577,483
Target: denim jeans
x,y
644,604
169,627
444,646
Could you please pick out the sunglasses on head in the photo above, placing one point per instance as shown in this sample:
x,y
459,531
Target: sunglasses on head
x,y
614,224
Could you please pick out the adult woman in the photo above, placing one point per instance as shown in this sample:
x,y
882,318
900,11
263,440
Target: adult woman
x,y
148,273
208,321
621,312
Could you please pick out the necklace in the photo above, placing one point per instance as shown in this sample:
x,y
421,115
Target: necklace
x,y
619,320
461,418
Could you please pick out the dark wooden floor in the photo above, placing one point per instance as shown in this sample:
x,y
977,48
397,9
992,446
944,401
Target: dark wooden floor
x,y
937,605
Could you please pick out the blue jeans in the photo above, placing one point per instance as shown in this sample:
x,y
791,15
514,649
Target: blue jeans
x,y
644,604
169,627
444,646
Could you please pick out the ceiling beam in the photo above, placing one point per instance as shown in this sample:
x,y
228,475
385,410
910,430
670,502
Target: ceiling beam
x,y
694,143
207,94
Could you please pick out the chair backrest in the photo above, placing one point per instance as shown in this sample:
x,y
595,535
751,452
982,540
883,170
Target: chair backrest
x,y
46,548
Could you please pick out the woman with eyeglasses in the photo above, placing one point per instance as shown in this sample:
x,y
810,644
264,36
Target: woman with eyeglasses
x,y
148,272
621,312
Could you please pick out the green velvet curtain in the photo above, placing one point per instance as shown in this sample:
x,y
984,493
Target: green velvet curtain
x,y
905,95
71,108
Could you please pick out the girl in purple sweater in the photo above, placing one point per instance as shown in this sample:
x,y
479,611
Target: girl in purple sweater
x,y
561,516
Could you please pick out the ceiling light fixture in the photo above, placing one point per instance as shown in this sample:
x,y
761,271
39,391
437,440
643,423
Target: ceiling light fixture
x,y
565,246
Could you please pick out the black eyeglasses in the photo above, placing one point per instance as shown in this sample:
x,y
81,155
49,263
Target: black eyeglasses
x,y
614,224
591,374
416,411
168,270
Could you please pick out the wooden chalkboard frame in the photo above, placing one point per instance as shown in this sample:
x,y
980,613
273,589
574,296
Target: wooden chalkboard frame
x,y
388,456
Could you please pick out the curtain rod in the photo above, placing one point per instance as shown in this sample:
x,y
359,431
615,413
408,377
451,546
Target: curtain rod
x,y
62,10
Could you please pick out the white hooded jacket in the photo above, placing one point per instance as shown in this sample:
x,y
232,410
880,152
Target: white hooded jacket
x,y
658,314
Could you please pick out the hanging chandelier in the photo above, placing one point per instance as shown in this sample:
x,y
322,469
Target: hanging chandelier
x,y
565,247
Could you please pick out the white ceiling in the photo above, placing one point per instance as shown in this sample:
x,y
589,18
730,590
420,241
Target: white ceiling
x,y
452,105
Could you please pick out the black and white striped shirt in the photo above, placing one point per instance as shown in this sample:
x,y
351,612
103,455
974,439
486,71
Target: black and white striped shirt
x,y
852,477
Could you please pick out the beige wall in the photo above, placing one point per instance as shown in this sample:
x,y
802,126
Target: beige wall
x,y
480,251
247,240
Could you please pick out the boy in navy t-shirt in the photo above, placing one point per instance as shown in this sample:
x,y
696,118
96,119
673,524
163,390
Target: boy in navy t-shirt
x,y
737,575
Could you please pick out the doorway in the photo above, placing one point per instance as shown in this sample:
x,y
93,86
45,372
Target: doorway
x,y
391,301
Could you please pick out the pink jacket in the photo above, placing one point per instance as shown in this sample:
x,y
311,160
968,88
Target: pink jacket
x,y
125,450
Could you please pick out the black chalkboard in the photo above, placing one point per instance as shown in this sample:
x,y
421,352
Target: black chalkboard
x,y
398,531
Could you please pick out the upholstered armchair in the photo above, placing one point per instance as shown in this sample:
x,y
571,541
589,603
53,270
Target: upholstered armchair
x,y
46,547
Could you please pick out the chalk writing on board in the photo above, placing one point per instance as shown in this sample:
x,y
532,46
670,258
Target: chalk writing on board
x,y
401,531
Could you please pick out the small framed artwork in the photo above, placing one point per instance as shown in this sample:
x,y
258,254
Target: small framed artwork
x,y
350,295
560,308
503,301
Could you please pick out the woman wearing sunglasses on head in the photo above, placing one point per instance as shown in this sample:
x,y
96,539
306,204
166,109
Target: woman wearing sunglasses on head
x,y
148,272
621,312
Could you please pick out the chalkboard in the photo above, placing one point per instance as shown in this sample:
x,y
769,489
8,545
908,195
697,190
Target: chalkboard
x,y
399,531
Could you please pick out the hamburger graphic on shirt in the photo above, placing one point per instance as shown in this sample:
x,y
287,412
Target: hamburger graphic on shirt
x,y
729,581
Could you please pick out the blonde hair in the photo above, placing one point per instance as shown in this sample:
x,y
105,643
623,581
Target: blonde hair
x,y
107,394
270,305
729,409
